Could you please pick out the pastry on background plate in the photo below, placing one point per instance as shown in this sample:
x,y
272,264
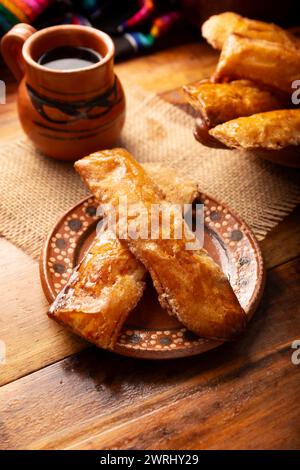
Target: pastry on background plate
x,y
221,102
269,63
189,283
273,130
218,27
249,104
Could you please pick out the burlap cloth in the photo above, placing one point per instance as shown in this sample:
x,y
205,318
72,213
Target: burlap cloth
x,y
35,191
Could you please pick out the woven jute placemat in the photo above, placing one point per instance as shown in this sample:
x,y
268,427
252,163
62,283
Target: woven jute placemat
x,y
36,190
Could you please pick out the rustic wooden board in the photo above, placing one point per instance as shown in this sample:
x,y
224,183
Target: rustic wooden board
x,y
96,398
32,339
225,413
283,243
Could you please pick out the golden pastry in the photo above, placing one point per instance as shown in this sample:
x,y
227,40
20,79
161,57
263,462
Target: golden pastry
x,y
218,27
101,292
221,102
189,283
269,63
272,130
176,188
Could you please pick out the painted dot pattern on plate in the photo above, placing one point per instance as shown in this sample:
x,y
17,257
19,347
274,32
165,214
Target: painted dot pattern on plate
x,y
244,258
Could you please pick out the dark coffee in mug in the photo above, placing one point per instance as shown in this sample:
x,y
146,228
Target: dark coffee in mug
x,y
71,103
69,58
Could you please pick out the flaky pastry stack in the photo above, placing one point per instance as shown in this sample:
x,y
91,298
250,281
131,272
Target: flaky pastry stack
x,y
248,102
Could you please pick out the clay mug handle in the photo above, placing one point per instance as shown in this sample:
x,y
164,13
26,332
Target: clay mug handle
x,y
11,47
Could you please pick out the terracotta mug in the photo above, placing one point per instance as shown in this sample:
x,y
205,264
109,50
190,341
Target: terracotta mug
x,y
66,113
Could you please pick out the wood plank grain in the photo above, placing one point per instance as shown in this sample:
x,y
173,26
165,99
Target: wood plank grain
x,y
169,69
74,402
282,244
32,340
254,407
10,125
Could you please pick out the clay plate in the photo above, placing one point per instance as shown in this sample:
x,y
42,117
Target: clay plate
x,y
149,331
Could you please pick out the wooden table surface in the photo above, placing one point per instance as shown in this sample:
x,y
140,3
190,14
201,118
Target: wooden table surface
x,y
58,392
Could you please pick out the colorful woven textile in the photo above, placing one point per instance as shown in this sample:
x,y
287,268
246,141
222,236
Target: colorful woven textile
x,y
135,25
